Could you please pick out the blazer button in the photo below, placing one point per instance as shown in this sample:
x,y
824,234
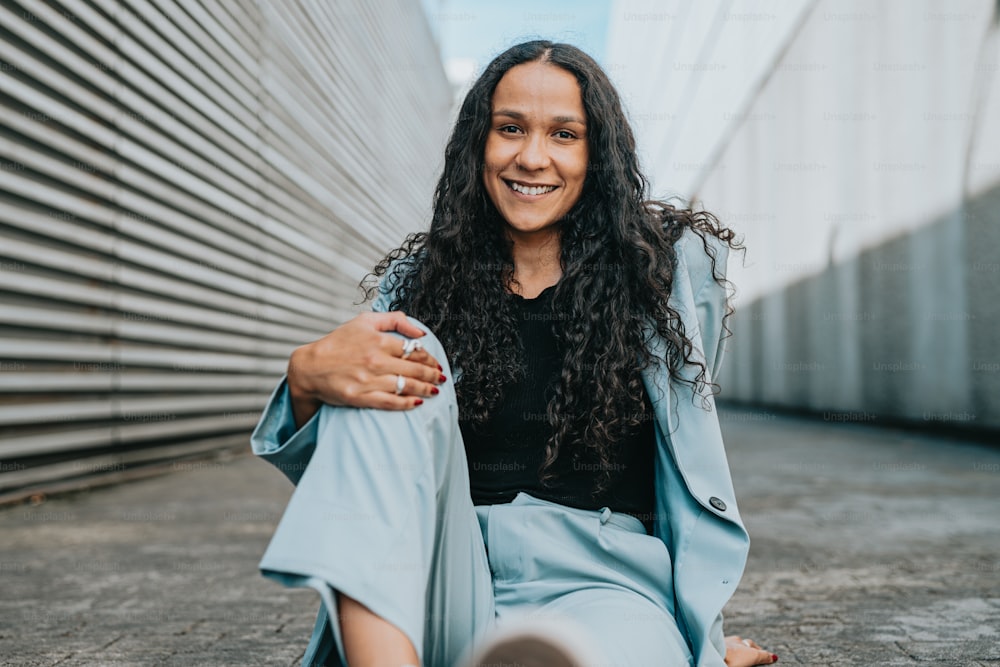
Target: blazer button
x,y
717,504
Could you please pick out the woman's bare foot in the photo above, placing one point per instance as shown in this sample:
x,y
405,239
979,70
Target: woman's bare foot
x,y
742,652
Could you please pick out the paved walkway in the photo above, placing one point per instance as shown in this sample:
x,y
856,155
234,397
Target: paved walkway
x,y
870,547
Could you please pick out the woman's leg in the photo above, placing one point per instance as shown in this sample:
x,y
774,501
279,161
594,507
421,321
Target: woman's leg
x,y
369,639
382,517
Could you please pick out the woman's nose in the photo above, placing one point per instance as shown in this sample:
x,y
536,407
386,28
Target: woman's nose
x,y
533,154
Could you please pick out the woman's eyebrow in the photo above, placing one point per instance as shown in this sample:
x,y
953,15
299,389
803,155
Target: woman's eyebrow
x,y
517,115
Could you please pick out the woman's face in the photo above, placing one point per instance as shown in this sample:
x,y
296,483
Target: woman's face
x,y
536,150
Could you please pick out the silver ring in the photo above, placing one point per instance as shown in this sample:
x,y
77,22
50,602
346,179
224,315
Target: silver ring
x,y
747,642
410,346
400,383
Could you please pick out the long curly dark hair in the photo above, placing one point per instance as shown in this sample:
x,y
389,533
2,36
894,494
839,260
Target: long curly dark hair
x,y
618,261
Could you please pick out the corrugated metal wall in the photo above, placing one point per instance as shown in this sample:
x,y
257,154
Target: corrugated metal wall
x,y
188,190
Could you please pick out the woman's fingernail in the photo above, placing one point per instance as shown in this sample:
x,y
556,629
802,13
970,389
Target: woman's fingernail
x,y
774,657
442,378
440,368
419,401
435,391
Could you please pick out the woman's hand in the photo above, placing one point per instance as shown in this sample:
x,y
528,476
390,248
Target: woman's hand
x,y
745,652
356,364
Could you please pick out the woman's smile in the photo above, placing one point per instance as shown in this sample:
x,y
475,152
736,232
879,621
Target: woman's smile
x,y
530,192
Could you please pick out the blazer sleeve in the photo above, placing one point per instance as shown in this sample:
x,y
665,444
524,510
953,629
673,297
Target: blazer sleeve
x,y
276,440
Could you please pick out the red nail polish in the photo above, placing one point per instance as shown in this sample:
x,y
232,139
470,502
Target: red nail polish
x,y
435,391
440,368
442,378
774,657
419,401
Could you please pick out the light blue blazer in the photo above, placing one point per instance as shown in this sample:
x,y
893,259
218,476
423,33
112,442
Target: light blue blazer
x,y
696,512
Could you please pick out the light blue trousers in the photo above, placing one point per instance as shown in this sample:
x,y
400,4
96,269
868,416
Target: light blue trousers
x,y
383,514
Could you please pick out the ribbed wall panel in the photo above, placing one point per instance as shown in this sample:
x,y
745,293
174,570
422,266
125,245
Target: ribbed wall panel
x,y
188,190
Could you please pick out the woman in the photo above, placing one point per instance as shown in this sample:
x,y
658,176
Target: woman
x,y
550,448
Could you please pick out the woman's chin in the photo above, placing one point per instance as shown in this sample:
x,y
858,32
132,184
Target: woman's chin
x,y
521,227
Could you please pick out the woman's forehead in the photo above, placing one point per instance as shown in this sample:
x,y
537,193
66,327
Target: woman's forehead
x,y
539,91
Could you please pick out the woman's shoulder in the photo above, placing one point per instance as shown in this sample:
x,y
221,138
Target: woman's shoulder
x,y
696,250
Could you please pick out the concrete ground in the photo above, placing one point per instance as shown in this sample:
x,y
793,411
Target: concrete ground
x,y
870,547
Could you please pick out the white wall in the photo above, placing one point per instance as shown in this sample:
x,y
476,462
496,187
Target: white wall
x,y
863,172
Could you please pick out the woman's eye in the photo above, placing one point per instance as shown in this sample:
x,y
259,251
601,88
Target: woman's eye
x,y
565,134
509,129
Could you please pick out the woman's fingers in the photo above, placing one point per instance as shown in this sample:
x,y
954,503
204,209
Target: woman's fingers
x,y
388,401
400,385
411,370
396,347
420,358
413,379
397,321
410,349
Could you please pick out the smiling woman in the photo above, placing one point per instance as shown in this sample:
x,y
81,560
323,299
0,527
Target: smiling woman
x,y
572,471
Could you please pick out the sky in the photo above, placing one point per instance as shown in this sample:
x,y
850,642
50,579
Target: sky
x,y
471,32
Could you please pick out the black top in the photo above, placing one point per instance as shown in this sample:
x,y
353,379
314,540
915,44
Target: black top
x,y
505,453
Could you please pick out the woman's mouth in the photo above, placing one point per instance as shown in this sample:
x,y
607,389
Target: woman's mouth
x,y
530,190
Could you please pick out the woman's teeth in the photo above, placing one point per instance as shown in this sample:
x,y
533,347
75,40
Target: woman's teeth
x,y
525,190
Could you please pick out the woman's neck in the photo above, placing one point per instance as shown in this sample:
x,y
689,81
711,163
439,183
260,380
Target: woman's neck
x,y
537,264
